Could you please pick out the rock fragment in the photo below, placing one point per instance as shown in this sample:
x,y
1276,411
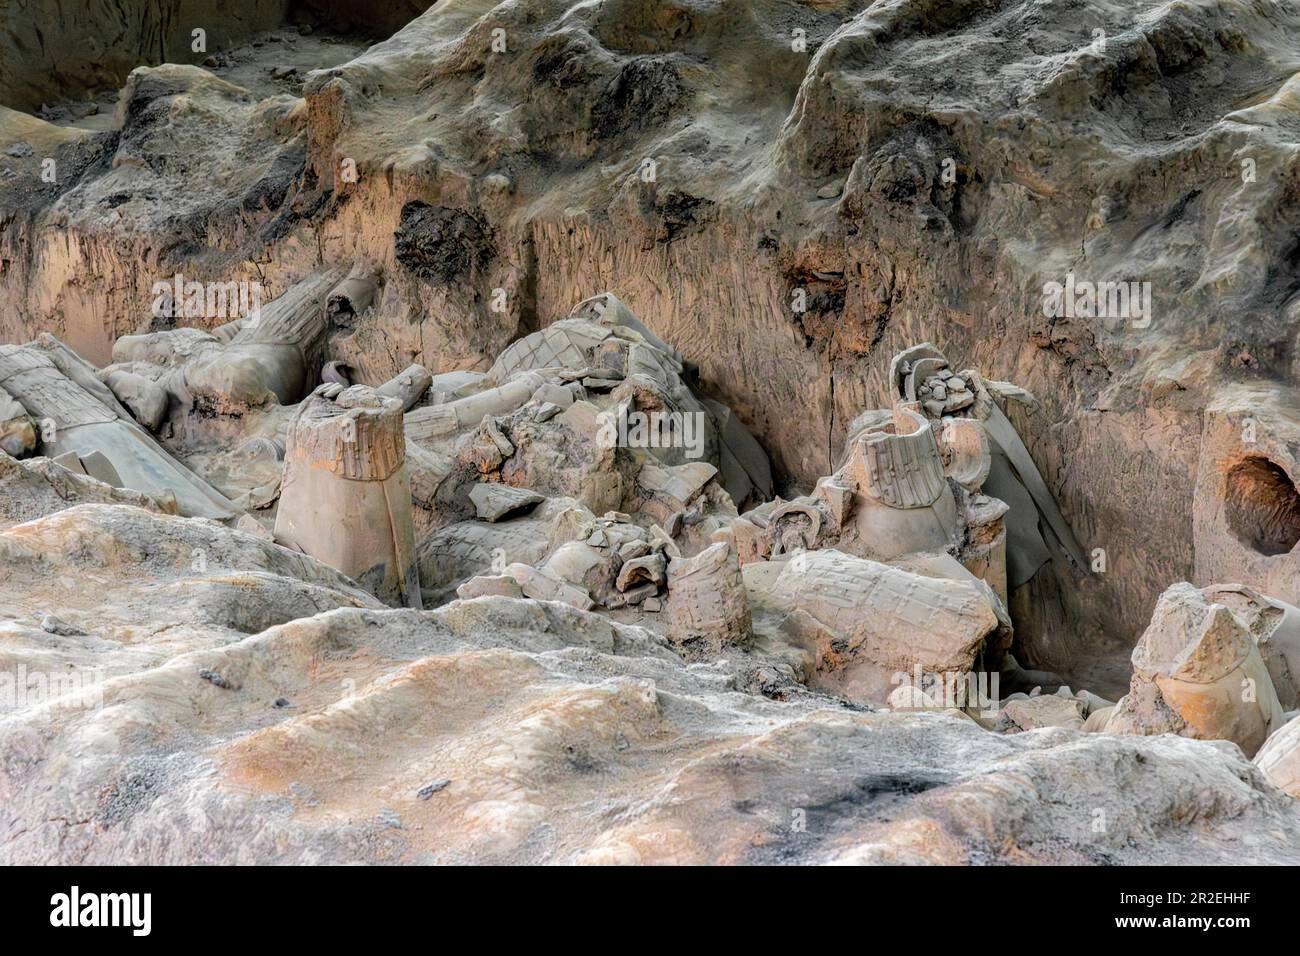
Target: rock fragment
x,y
435,786
215,679
53,625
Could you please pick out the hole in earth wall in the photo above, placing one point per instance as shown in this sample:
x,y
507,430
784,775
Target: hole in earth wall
x,y
1263,506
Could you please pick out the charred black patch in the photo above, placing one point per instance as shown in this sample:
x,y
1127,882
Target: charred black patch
x,y
645,92
206,407
271,189
440,243
22,190
1179,210
679,213
563,63
817,301
580,760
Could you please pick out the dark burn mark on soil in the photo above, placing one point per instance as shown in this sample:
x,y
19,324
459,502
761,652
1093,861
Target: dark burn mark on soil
x,y
675,214
440,243
643,94
867,796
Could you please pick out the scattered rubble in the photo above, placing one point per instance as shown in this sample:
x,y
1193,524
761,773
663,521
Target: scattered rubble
x,y
883,590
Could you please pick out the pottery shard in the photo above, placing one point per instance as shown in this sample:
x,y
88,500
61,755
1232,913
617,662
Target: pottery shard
x,y
909,697
407,386
635,548
677,485
707,600
93,465
638,595
647,569
1279,758
250,524
490,432
965,452
592,569
837,498
793,525
557,395
484,585
36,487
544,586
17,430
746,471
146,400
893,618
1043,711
1197,672
493,501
